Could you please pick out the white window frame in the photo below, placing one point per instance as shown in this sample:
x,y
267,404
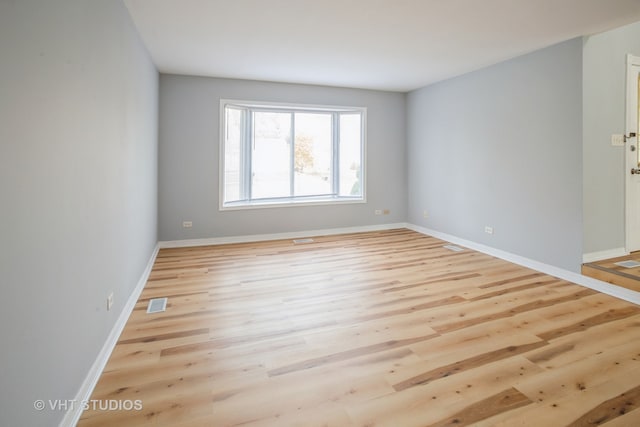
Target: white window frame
x,y
301,200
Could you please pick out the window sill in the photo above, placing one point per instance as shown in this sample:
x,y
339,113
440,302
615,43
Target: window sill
x,y
287,203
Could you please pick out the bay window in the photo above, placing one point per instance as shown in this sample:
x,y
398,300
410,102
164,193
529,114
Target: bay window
x,y
273,154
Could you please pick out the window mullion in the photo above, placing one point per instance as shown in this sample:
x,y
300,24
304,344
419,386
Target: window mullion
x,y
335,162
292,156
248,157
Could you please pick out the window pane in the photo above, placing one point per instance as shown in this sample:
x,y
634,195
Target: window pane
x,y
313,155
350,155
232,153
271,155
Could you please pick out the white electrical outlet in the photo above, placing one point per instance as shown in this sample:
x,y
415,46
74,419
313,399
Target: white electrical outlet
x,y
187,224
488,230
378,212
425,214
110,301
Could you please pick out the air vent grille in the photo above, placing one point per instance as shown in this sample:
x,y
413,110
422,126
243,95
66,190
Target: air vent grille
x,y
628,264
157,305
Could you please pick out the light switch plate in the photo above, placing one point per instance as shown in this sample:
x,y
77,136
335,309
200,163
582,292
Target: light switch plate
x,y
617,140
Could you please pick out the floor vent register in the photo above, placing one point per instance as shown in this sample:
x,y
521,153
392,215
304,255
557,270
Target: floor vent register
x,y
157,305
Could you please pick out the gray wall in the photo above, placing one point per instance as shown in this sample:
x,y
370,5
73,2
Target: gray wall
x,y
604,80
189,159
78,191
503,147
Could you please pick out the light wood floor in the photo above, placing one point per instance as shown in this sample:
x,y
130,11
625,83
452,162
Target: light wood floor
x,y
374,329
608,271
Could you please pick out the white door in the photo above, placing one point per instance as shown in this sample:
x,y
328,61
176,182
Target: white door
x,y
632,157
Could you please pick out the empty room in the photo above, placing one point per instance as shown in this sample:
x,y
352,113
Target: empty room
x,y
305,213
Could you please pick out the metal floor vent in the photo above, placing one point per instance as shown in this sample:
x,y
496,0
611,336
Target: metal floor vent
x,y
628,264
453,248
157,305
302,241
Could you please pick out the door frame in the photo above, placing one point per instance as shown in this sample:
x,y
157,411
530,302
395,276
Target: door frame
x,y
631,116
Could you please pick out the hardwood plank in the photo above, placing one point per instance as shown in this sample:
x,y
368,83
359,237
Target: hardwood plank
x,y
499,403
612,408
467,364
162,337
599,319
348,354
564,395
570,405
534,305
434,402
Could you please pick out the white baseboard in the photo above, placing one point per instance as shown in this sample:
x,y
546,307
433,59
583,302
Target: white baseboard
x,y
73,415
608,254
277,236
597,285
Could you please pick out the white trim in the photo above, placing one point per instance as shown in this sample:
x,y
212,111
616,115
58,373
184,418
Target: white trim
x,y
608,254
579,279
222,124
72,416
630,158
287,106
293,202
278,236
632,59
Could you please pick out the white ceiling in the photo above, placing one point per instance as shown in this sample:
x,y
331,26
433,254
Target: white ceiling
x,y
395,45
